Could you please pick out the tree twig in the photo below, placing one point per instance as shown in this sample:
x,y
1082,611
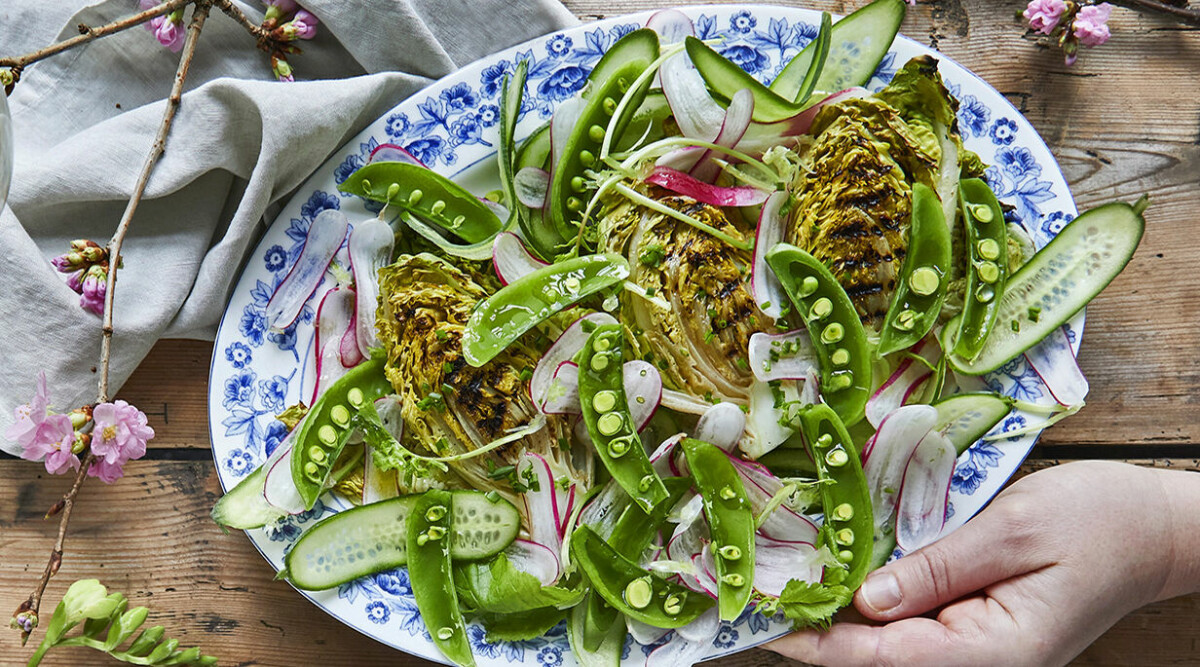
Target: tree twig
x,y
232,11
89,33
1184,14
199,15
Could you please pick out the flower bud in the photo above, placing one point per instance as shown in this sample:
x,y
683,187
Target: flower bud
x,y
83,244
75,281
82,440
79,418
71,261
94,254
95,287
281,68
25,621
302,26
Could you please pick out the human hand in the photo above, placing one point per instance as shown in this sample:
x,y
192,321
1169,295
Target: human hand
x,y
1055,560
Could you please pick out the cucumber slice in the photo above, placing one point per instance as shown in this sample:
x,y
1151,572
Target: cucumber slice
x,y
534,151
965,418
725,79
1059,280
373,538
244,506
861,40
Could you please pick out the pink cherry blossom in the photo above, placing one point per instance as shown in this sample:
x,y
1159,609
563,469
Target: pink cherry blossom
x,y
28,417
107,472
1091,24
120,434
52,443
170,34
1044,15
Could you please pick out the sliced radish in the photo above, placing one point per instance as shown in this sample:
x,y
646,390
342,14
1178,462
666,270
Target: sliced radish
x,y
348,351
543,505
562,124
601,511
921,508
511,259
391,415
279,490
690,644
535,559
325,235
777,562
768,293
681,159
1054,361
533,185
903,385
370,249
891,449
671,25
784,523
335,317
706,193
694,110
810,393
500,210
661,457
761,136
564,349
393,153
644,633
786,356
562,398
643,390
722,425
766,419
734,125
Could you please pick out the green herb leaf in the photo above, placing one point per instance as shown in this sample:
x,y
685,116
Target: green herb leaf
x,y
497,587
812,605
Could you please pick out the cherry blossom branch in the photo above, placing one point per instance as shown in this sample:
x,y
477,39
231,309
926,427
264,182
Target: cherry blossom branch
x,y
88,33
199,16
1181,12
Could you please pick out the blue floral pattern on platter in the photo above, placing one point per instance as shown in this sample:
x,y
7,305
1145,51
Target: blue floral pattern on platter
x,y
451,127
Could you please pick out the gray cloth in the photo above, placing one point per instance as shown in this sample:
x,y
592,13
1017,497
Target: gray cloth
x,y
84,121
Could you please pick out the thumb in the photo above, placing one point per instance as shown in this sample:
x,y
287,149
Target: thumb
x,y
993,547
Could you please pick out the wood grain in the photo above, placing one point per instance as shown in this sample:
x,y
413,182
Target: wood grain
x,y
216,591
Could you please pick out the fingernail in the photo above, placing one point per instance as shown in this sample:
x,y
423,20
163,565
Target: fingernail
x,y
881,592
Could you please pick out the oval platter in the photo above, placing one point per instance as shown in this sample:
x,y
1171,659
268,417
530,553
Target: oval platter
x,y
452,127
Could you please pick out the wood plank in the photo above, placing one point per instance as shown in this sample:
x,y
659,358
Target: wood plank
x,y
215,590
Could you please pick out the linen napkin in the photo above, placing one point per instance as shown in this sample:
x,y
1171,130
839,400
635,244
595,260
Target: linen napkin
x,y
84,120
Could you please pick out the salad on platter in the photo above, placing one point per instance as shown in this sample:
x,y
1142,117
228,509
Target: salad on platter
x,y
713,346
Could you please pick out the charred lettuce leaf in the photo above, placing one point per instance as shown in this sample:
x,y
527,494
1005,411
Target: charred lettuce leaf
x,y
449,407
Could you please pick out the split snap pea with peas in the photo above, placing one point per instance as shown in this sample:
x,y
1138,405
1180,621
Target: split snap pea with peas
x,y
632,590
987,273
837,333
924,278
431,575
329,425
608,420
608,83
731,519
426,194
849,525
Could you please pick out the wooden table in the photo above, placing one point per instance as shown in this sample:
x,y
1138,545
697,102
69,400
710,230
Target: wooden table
x,y
1124,121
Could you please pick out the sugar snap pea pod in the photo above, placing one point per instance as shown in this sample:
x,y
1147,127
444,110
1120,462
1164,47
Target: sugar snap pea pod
x,y
527,302
731,520
608,420
833,325
328,426
987,250
568,186
921,289
848,530
427,195
632,590
641,44
633,531
429,570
